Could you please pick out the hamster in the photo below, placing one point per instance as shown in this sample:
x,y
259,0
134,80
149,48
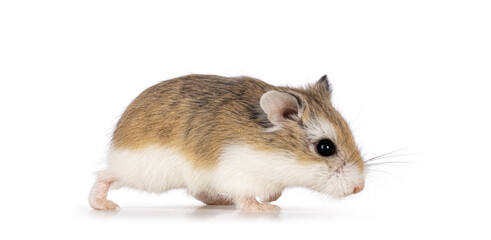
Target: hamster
x,y
231,140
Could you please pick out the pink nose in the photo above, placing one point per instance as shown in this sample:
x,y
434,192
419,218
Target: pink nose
x,y
358,188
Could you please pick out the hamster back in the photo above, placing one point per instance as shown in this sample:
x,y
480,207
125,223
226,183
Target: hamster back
x,y
195,114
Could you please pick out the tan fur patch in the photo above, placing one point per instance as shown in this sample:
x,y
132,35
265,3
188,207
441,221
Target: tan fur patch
x,y
198,114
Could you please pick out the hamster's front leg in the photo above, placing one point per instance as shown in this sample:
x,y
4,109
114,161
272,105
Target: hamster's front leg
x,y
250,204
271,198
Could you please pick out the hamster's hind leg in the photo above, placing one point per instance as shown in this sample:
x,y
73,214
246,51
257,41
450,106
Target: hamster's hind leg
x,y
213,199
98,194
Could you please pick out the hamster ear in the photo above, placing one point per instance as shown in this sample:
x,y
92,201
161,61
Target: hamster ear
x,y
280,106
323,84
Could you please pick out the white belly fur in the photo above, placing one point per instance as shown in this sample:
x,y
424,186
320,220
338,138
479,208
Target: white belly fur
x,y
241,171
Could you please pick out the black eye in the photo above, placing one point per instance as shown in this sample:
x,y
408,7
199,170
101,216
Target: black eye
x,y
326,147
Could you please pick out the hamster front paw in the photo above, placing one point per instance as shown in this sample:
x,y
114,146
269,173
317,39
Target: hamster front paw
x,y
252,205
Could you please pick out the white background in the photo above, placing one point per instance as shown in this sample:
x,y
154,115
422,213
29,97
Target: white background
x,y
411,76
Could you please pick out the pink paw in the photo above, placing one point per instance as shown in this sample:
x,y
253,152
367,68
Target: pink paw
x,y
103,204
260,207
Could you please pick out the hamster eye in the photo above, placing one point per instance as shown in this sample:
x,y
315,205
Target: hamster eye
x,y
326,147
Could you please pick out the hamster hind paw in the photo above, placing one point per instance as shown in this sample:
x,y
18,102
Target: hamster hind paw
x,y
103,204
98,195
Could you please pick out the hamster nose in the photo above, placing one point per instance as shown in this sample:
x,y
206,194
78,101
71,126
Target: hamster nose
x,y
358,188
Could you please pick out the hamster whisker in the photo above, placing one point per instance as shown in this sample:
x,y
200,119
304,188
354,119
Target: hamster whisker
x,y
387,154
384,163
384,154
350,165
371,160
371,170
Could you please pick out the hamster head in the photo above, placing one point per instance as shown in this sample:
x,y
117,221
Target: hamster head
x,y
318,136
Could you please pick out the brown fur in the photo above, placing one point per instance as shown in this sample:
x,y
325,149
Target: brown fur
x,y
199,114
